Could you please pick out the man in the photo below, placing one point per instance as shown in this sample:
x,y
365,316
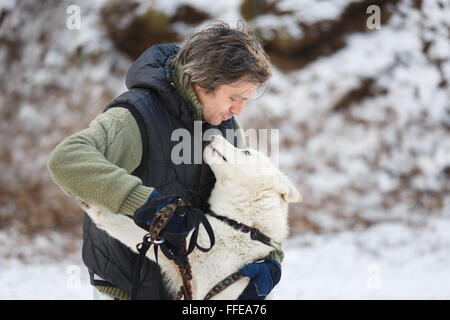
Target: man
x,y
122,162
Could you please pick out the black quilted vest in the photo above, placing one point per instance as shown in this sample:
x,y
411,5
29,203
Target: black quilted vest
x,y
158,110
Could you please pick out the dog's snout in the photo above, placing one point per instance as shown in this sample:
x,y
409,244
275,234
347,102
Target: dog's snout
x,y
213,138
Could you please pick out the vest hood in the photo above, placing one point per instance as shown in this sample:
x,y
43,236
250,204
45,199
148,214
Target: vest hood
x,y
152,71
149,70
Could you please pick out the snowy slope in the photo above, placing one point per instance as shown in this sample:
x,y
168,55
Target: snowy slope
x,y
385,157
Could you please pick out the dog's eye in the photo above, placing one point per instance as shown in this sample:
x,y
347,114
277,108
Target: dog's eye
x,y
246,152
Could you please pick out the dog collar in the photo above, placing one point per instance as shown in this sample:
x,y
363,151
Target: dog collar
x,y
255,234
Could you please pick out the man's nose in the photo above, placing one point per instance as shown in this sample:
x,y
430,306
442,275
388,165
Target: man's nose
x,y
237,107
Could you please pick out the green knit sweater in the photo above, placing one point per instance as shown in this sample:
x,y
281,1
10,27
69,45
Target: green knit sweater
x,y
95,164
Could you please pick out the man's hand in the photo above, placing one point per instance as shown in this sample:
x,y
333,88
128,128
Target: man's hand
x,y
180,224
185,218
264,276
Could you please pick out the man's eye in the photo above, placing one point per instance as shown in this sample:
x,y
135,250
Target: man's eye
x,y
246,152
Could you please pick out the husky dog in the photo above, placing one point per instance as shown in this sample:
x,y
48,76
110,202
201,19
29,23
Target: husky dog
x,y
250,190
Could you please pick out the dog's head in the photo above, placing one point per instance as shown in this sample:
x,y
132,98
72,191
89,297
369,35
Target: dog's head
x,y
246,165
248,182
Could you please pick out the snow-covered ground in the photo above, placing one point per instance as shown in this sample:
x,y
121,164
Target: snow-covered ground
x,y
46,267
387,261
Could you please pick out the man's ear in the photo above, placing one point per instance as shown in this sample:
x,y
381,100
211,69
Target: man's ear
x,y
199,90
288,191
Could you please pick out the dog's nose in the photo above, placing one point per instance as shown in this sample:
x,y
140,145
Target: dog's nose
x,y
213,138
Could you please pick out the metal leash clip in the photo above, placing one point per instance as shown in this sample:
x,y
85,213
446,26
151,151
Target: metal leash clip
x,y
158,241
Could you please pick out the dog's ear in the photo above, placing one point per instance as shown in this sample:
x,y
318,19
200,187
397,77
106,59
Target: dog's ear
x,y
288,191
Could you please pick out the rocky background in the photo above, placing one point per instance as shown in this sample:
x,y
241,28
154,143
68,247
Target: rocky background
x,y
363,113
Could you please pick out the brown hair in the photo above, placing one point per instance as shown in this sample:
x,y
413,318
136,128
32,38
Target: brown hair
x,y
219,55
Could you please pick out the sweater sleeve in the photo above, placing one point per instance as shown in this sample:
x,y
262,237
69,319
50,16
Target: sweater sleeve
x,y
94,165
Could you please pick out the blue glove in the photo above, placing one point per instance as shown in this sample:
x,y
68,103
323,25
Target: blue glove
x,y
185,218
180,224
264,276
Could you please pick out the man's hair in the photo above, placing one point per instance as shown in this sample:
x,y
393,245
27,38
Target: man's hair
x,y
219,55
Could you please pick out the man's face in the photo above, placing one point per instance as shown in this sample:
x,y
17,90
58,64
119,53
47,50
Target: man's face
x,y
224,102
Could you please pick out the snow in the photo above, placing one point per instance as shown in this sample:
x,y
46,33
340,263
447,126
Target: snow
x,y
310,11
47,267
46,281
387,261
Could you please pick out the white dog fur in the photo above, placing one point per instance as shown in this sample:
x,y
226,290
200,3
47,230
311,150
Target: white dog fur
x,y
248,189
